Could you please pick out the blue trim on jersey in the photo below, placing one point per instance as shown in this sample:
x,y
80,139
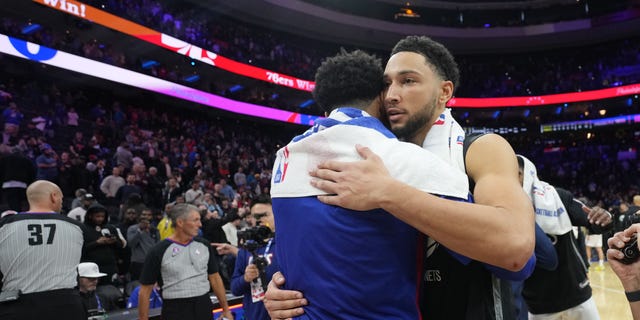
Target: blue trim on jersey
x,y
357,118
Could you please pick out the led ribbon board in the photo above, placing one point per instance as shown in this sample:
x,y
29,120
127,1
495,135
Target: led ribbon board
x,y
111,21
42,54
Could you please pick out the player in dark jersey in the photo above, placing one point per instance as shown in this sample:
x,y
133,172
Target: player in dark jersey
x,y
40,251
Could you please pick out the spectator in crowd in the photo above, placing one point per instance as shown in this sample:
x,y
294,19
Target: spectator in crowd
x,y
194,195
16,173
111,184
171,191
212,206
88,275
103,241
249,271
109,187
231,228
141,238
79,196
124,192
155,299
103,244
79,213
12,119
123,156
41,242
183,274
47,164
226,189
153,191
98,174
165,226
239,178
72,117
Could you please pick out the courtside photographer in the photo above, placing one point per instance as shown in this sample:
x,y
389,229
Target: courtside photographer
x,y
255,262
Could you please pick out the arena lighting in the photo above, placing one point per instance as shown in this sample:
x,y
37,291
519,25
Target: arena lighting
x,y
632,119
41,54
108,20
406,13
148,64
30,28
236,88
306,103
533,101
192,78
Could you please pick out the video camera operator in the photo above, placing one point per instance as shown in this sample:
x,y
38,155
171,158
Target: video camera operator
x,y
255,262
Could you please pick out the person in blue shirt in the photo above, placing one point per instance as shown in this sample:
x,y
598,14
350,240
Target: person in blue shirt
x,y
246,277
155,301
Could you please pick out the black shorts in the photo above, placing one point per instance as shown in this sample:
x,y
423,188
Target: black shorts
x,y
195,308
61,304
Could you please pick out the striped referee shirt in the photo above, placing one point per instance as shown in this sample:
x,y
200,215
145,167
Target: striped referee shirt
x,y
181,270
40,251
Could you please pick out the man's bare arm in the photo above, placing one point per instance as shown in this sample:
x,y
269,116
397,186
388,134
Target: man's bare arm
x,y
497,229
143,301
218,289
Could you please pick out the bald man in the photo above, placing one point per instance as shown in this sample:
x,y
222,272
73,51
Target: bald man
x,y
40,251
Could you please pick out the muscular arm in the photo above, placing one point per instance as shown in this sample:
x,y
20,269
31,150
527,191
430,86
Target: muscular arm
x,y
218,290
502,216
143,301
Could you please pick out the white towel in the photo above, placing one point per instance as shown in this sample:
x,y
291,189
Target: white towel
x,y
446,140
551,215
335,138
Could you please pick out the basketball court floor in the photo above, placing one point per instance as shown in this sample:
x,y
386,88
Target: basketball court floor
x,y
608,294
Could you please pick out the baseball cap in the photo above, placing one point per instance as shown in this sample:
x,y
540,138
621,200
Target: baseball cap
x,y
88,196
89,270
45,146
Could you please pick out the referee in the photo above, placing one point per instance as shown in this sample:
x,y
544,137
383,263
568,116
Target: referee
x,y
186,268
40,251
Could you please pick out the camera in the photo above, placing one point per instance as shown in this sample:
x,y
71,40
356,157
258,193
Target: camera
x,y
630,251
251,239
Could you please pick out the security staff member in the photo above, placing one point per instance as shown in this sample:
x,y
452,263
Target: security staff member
x,y
182,264
40,251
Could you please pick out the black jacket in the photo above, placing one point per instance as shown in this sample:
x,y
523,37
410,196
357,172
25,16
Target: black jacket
x,y
104,255
567,286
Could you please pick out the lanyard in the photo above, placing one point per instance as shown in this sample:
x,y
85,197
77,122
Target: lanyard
x,y
98,300
266,251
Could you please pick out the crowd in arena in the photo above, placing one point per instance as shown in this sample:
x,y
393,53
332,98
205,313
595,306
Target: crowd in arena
x,y
525,74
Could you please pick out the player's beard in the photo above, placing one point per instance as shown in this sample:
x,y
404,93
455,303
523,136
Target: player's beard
x,y
416,122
